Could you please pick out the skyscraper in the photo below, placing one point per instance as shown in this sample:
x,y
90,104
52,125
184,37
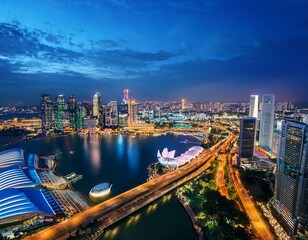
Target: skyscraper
x,y
96,104
111,114
47,112
72,109
59,112
183,104
267,121
291,189
247,138
132,112
253,106
125,95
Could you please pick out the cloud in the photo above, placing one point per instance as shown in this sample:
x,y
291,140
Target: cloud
x,y
105,44
272,66
36,51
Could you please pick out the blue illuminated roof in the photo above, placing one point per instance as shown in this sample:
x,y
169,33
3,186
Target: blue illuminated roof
x,y
18,197
11,157
14,177
19,202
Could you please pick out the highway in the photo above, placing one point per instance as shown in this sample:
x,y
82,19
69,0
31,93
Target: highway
x,y
118,207
260,226
220,179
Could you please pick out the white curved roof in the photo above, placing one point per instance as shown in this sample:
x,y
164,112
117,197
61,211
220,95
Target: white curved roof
x,y
11,157
101,187
167,159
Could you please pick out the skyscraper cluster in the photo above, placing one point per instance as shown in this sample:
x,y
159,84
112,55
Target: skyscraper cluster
x,y
290,202
249,125
59,114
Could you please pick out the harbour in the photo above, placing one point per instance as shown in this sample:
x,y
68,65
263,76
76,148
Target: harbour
x,y
94,156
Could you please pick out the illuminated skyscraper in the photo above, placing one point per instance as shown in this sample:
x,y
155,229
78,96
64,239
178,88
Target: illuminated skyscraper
x,y
59,112
183,104
267,121
72,109
132,112
47,112
253,106
96,104
111,114
247,138
291,189
125,95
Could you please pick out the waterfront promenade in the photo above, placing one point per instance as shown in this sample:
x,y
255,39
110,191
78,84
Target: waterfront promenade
x,y
116,208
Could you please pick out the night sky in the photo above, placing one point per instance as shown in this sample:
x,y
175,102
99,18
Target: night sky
x,y
201,50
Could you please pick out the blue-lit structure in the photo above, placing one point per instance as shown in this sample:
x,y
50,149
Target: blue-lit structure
x,y
14,177
11,157
19,204
19,197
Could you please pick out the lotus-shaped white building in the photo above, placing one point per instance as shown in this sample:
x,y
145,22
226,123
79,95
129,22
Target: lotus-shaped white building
x,y
167,158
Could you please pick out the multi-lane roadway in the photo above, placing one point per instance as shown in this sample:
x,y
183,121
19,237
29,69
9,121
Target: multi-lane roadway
x,y
259,224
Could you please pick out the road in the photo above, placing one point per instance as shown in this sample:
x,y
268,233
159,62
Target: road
x,y
118,207
260,226
220,177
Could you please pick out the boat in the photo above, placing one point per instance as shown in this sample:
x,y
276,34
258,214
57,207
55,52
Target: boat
x,y
100,190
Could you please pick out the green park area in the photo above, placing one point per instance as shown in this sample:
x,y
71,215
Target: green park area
x,y
218,217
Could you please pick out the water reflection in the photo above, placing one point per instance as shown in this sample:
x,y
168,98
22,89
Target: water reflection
x,y
120,147
85,147
95,153
92,152
133,155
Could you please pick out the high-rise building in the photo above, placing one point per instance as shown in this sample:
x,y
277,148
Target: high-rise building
x,y
123,109
253,106
89,123
96,104
111,114
276,139
290,201
247,139
60,107
72,109
125,95
267,121
47,112
183,104
132,112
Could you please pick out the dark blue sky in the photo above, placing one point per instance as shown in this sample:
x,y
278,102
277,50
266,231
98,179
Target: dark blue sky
x,y
204,50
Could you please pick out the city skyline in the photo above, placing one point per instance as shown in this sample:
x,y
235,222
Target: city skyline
x,y
197,50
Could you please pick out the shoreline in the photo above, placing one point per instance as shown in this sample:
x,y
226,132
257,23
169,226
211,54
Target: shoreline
x,y
22,140
154,134
191,215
